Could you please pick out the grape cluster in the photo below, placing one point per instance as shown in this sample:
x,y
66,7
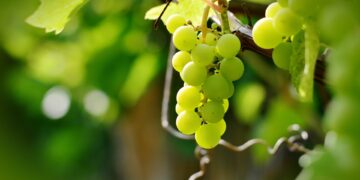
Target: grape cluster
x,y
276,29
207,65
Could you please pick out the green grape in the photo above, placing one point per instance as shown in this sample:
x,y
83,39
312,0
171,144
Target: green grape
x,y
184,38
174,21
210,38
188,122
207,136
193,74
231,89
228,45
232,68
180,59
178,109
264,34
272,9
188,97
283,3
281,55
216,87
304,8
226,104
286,22
221,127
203,54
212,111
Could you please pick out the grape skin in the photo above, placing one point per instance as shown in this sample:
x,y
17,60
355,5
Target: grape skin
x,y
228,45
203,54
184,38
188,122
232,68
264,34
193,74
174,21
188,97
272,9
212,111
216,87
207,136
281,55
180,59
286,22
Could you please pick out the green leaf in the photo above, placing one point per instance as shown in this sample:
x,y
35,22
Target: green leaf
x,y
54,14
302,65
190,9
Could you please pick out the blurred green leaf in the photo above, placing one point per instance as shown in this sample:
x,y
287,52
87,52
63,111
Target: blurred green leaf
x,y
54,14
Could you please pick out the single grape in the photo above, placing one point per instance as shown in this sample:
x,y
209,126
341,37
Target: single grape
x,y
264,34
210,38
272,9
207,136
174,21
188,122
178,109
193,74
286,22
212,111
283,3
184,38
228,45
180,59
281,55
216,87
188,97
232,68
221,127
203,54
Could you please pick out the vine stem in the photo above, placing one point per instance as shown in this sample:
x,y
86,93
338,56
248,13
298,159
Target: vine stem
x,y
224,16
204,22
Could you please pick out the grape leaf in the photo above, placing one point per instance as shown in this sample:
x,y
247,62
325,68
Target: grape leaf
x,y
303,60
54,14
190,9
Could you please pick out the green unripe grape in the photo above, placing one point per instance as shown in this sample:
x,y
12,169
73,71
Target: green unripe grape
x,y
203,54
264,34
180,59
178,109
216,87
283,3
281,55
184,38
272,9
188,97
188,122
174,21
232,68
221,126
193,74
212,111
231,89
207,136
228,45
286,22
226,104
210,38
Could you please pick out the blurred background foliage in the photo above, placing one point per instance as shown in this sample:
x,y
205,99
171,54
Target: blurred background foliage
x,y
85,104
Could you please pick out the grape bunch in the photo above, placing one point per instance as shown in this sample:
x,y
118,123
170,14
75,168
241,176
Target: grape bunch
x,y
276,30
207,65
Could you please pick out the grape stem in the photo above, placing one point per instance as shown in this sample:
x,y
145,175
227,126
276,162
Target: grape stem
x,y
224,16
204,23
